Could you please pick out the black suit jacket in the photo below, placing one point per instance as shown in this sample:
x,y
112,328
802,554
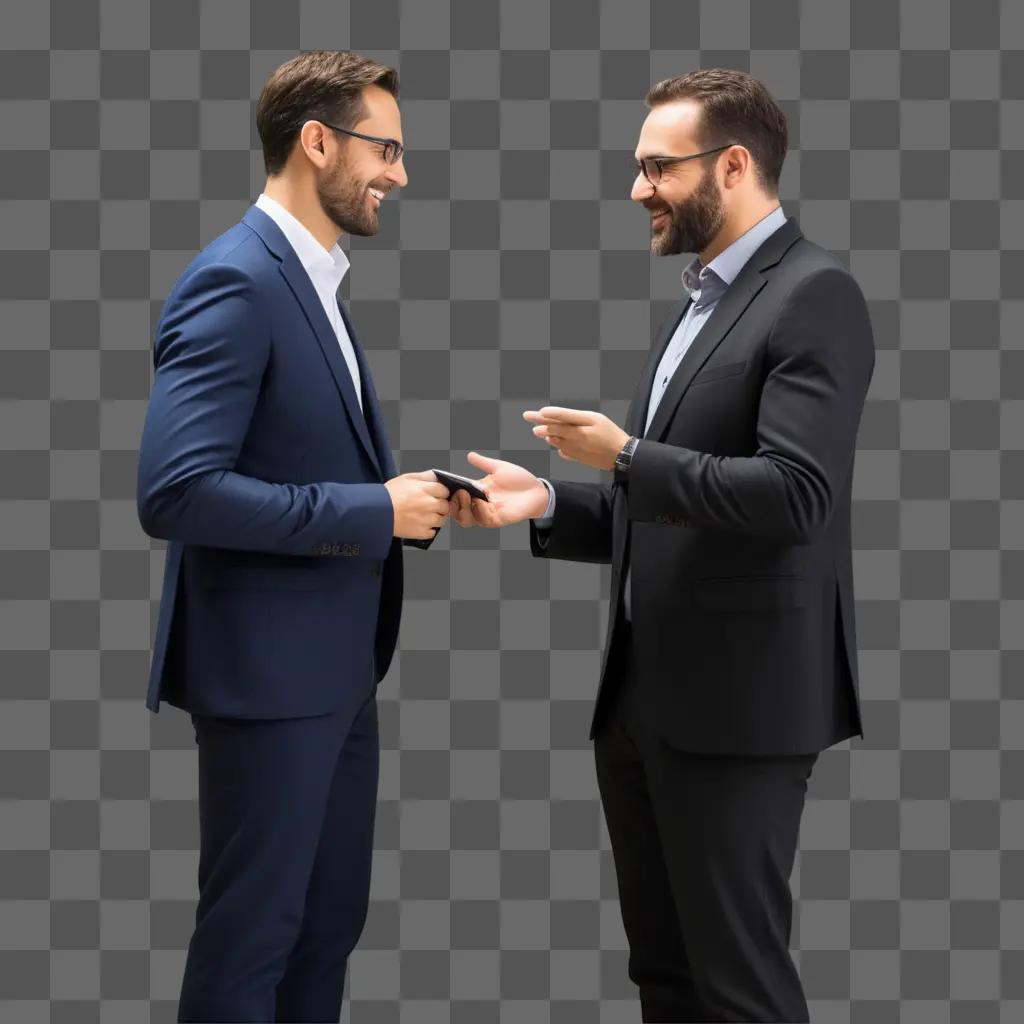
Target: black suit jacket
x,y
735,515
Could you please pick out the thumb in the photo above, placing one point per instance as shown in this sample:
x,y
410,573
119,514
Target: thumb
x,y
483,462
423,474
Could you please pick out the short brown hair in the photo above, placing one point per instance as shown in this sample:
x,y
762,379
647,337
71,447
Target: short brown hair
x,y
319,85
736,109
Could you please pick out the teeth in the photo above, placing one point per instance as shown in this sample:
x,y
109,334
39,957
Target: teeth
x,y
377,193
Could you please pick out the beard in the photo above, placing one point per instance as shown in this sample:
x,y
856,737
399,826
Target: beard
x,y
691,225
346,201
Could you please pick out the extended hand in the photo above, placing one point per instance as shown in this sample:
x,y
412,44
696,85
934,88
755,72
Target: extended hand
x,y
587,437
513,493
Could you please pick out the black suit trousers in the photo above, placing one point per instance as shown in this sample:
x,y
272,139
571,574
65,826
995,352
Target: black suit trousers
x,y
704,845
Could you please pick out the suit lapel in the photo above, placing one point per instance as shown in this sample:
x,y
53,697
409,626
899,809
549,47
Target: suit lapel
x,y
726,312
302,288
729,308
636,415
371,404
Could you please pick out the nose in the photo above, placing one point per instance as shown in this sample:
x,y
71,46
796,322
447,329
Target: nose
x,y
642,188
396,173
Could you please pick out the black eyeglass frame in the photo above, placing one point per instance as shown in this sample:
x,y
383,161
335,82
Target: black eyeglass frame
x,y
392,146
661,162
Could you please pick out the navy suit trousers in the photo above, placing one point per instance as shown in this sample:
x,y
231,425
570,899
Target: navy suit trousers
x,y
286,813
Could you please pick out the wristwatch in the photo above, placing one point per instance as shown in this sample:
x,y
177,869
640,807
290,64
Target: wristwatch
x,y
624,458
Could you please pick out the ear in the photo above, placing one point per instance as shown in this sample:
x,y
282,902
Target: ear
x,y
312,140
738,164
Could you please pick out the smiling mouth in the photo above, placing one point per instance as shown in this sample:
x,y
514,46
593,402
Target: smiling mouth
x,y
377,195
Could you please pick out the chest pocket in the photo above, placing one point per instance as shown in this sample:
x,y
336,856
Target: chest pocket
x,y
719,372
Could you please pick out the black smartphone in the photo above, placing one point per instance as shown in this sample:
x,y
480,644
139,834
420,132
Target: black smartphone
x,y
454,483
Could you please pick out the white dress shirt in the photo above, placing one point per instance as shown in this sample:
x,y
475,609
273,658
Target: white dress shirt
x,y
326,269
706,285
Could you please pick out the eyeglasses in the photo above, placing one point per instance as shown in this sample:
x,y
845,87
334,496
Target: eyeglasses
x,y
651,167
393,149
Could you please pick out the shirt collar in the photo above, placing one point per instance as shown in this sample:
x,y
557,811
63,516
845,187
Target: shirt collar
x,y
731,260
332,264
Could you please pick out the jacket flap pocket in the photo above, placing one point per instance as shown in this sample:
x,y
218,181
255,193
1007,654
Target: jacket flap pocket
x,y
751,593
259,578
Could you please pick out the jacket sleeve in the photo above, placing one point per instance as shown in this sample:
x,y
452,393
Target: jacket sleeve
x,y
581,530
211,350
819,358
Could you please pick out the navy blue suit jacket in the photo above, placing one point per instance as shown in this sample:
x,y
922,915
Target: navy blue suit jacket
x,y
283,583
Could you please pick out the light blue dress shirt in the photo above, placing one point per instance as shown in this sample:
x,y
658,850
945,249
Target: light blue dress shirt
x,y
706,285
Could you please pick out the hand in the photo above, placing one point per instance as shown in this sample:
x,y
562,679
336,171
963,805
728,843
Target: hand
x,y
420,502
587,437
513,493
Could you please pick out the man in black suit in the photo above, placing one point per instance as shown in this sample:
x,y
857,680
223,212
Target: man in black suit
x,y
730,660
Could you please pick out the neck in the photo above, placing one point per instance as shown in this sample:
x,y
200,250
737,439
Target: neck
x,y
736,227
303,205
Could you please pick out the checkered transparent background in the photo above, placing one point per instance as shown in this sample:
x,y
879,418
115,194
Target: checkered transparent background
x,y
514,271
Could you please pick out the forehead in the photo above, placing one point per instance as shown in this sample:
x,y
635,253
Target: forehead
x,y
381,113
669,129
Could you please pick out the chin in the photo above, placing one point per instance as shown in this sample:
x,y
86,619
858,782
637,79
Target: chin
x,y
661,245
364,227
352,219
363,230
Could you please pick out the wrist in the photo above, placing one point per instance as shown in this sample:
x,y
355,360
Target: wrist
x,y
624,458
390,507
541,504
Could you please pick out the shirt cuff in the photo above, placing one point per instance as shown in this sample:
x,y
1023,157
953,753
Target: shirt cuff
x,y
544,521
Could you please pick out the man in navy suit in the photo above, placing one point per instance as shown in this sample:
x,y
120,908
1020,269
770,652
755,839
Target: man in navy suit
x,y
265,465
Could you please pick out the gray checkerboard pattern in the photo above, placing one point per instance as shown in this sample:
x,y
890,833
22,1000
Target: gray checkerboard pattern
x,y
514,271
